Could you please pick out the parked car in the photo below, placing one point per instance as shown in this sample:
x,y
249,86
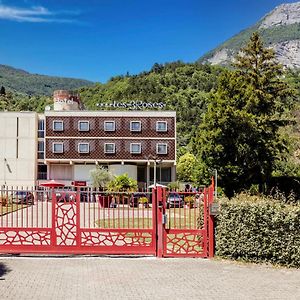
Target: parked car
x,y
65,196
139,198
174,200
23,197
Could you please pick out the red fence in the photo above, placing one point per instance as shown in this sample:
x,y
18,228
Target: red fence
x,y
91,222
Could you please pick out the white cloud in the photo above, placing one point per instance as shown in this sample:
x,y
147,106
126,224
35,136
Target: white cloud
x,y
36,14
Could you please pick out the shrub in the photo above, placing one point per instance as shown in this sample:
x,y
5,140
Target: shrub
x,y
189,200
3,200
122,183
173,186
259,229
100,177
143,200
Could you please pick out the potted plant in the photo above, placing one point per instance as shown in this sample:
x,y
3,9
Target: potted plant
x,y
189,201
143,201
124,184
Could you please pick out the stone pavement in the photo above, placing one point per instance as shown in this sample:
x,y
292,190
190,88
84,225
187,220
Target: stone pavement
x,y
85,277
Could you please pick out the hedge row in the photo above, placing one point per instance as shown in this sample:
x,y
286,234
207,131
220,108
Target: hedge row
x,y
259,229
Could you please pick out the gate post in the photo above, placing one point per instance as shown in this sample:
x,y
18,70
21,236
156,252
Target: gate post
x,y
211,239
159,217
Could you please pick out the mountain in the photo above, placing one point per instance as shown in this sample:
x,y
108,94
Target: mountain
x,y
20,81
280,29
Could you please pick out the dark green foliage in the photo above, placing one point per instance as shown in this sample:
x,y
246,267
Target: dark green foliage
x,y
285,188
2,90
19,81
239,135
19,102
259,229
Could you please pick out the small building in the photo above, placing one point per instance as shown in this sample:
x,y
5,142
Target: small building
x,y
66,143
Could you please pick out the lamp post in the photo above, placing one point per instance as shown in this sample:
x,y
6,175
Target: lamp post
x,y
154,173
4,169
155,161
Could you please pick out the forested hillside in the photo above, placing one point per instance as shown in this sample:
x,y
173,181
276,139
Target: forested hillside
x,y
20,81
182,87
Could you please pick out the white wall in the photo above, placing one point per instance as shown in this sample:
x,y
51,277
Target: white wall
x,y
18,146
60,172
82,172
120,169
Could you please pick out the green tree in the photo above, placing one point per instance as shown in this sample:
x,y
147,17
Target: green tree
x,y
100,177
2,90
122,183
239,135
187,168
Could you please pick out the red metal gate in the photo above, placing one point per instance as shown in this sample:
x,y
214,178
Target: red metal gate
x,y
92,222
185,227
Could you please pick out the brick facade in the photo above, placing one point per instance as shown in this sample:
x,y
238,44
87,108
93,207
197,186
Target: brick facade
x,y
122,127
122,137
122,149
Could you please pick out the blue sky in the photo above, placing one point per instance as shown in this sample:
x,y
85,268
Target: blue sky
x,y
98,39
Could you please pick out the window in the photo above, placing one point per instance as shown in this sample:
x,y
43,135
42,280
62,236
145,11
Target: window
x,y
161,126
41,129
109,126
42,172
83,148
41,149
109,148
161,148
135,148
57,147
58,125
83,125
135,126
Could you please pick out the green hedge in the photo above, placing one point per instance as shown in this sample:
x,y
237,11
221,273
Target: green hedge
x,y
259,229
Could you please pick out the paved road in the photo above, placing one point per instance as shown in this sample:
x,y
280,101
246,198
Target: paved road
x,y
142,278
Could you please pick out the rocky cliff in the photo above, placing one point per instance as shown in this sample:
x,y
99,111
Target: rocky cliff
x,y
280,29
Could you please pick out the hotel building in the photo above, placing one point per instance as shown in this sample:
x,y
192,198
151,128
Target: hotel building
x,y
66,143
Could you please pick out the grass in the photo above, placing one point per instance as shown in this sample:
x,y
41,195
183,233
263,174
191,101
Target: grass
x,y
179,218
9,208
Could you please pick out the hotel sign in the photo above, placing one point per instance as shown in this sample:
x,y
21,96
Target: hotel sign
x,y
134,105
79,183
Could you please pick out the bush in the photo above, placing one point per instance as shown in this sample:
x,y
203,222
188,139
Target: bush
x,y
259,229
122,183
3,200
100,177
143,200
173,186
189,200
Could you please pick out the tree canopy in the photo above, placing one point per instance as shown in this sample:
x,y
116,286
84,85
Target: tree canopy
x,y
239,134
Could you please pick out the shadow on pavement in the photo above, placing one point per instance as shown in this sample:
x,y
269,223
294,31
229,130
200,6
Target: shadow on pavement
x,y
3,270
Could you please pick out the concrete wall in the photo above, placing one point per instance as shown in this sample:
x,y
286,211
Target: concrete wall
x,y
82,172
119,169
18,148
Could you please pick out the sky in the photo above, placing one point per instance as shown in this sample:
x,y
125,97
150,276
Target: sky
x,y
99,39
